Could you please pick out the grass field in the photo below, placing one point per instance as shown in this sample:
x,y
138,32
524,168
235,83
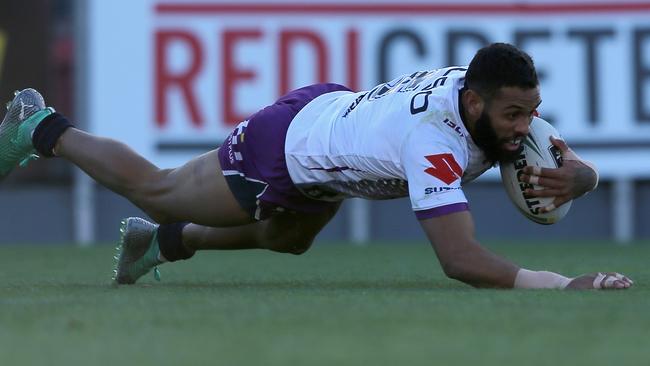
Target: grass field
x,y
335,305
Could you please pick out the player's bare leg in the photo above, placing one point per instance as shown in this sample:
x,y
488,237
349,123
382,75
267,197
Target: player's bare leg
x,y
283,232
144,245
196,191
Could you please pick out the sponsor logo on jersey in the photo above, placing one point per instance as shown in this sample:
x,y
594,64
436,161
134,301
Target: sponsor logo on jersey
x,y
354,104
454,127
444,167
431,190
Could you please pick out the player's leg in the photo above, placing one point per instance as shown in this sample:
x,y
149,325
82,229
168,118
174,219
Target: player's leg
x,y
145,245
196,191
283,232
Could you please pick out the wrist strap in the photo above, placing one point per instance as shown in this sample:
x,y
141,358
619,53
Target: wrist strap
x,y
540,279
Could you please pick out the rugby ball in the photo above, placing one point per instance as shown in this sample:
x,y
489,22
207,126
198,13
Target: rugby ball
x,y
536,150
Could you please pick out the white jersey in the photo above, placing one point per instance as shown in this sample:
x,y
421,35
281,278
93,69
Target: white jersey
x,y
404,137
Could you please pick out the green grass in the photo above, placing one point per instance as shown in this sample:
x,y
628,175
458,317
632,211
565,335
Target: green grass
x,y
335,305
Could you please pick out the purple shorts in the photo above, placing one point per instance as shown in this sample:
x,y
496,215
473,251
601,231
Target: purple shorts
x,y
252,158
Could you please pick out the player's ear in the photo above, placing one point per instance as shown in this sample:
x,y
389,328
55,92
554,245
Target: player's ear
x,y
473,103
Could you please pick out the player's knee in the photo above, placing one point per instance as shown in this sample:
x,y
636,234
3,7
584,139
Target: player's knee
x,y
301,247
294,246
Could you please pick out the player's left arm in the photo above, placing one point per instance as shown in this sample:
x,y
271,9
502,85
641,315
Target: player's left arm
x,y
573,179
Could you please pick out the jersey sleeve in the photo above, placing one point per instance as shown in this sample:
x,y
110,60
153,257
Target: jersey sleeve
x,y
433,164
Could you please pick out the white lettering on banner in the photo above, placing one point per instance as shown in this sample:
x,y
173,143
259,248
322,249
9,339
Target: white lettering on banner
x,y
210,64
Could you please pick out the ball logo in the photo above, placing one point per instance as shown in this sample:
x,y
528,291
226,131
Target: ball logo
x,y
444,167
557,155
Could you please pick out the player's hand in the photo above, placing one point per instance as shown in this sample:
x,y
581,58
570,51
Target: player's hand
x,y
600,280
573,179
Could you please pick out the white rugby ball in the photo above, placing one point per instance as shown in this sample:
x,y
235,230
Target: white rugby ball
x,y
537,150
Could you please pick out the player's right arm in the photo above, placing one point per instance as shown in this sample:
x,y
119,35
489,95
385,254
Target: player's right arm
x,y
464,259
434,161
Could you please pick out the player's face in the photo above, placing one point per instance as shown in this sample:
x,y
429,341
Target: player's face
x,y
505,122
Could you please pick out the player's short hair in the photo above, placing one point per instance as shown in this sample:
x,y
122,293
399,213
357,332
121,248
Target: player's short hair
x,y
500,65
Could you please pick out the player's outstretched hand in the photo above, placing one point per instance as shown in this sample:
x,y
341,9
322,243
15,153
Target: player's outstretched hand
x,y
600,281
568,182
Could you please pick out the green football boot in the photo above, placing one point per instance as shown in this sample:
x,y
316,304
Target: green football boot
x,y
137,252
24,113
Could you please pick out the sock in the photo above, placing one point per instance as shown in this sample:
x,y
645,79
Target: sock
x,y
170,242
47,133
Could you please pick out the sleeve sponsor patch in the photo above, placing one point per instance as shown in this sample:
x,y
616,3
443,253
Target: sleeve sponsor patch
x,y
444,167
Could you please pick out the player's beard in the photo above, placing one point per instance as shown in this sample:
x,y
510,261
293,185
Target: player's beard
x,y
487,140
